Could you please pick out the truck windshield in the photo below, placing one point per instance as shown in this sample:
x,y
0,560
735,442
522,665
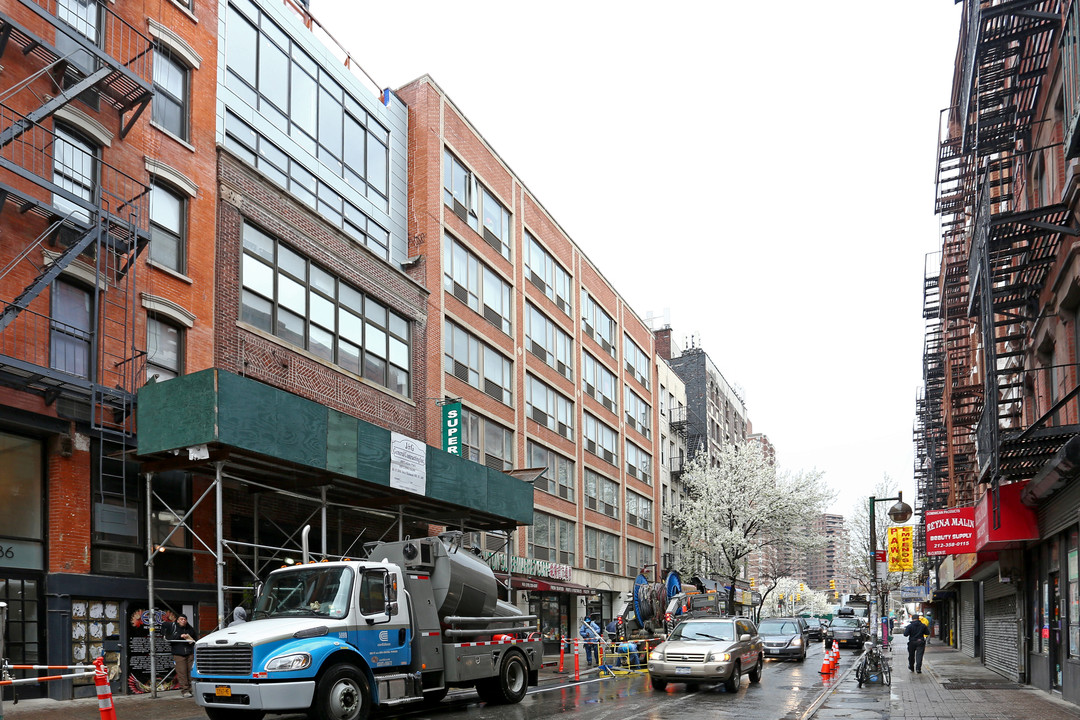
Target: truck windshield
x,y
315,591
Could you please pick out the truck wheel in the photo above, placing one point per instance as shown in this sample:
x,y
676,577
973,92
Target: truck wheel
x,y
509,685
434,697
343,694
732,683
658,684
233,714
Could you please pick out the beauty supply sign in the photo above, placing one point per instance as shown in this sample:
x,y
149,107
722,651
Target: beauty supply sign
x,y
951,531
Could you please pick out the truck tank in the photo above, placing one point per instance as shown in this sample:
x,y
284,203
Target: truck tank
x,y
462,583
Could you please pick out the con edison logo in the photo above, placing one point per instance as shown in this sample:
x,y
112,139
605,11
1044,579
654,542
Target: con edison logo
x,y
384,636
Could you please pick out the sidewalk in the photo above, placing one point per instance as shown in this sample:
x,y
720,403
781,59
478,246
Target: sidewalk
x,y
951,685
170,706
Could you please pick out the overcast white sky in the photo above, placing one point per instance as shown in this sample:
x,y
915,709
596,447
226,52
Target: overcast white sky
x,y
763,170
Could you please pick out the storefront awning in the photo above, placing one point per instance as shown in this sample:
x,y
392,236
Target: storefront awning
x,y
538,584
1016,522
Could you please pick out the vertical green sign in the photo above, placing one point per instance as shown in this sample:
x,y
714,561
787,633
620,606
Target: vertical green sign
x,y
451,427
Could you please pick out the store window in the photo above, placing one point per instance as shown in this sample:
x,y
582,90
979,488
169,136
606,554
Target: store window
x,y
1074,594
21,524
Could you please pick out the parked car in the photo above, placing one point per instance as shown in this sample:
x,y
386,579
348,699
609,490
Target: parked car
x,y
815,629
784,637
847,632
708,650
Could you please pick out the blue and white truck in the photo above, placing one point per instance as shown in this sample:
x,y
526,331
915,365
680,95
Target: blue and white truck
x,y
338,639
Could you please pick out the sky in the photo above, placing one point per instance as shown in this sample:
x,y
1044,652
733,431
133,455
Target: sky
x,y
761,172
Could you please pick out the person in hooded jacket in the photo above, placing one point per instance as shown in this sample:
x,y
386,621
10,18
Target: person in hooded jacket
x,y
916,633
239,616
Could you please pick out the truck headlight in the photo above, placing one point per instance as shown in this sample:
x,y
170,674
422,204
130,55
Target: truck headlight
x,y
286,663
656,655
718,657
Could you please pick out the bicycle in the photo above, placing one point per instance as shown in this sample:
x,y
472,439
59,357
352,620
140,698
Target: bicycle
x,y
873,666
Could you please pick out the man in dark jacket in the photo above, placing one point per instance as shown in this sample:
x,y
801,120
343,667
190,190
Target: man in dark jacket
x,y
916,632
182,638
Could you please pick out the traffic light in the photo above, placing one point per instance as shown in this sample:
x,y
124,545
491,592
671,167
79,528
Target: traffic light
x,y
802,587
832,584
752,585
798,597
781,597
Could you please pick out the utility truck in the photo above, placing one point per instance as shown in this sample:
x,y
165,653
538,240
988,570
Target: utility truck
x,y
338,639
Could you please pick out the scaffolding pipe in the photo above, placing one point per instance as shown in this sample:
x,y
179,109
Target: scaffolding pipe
x,y
255,512
322,518
150,552
218,549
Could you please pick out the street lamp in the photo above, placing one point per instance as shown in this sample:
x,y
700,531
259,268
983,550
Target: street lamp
x,y
898,513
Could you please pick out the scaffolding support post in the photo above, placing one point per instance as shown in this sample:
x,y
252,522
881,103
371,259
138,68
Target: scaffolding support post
x,y
322,518
218,550
150,580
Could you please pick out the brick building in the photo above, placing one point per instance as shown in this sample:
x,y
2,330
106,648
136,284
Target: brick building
x,y
553,368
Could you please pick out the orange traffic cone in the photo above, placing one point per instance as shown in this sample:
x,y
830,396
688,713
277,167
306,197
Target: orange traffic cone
x,y
826,664
104,691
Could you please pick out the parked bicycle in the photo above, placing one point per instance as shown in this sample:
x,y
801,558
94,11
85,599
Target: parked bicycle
x,y
873,666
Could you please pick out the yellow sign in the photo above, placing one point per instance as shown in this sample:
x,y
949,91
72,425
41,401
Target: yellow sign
x,y
901,548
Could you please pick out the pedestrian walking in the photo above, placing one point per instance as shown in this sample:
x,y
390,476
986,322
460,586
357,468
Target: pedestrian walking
x,y
590,633
182,638
916,632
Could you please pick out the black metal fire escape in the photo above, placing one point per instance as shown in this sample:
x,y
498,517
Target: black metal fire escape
x,y
89,53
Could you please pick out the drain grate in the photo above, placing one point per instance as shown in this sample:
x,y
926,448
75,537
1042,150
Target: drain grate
x,y
981,685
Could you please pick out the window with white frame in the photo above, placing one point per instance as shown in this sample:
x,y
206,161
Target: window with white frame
x,y
69,329
286,294
596,323
486,441
638,412
601,551
75,171
601,440
169,109
548,341
638,463
164,349
639,510
475,284
477,363
551,538
638,557
168,213
637,362
558,479
549,408
601,494
546,274
600,382
473,203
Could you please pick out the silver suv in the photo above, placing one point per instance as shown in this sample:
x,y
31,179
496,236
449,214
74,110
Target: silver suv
x,y
708,650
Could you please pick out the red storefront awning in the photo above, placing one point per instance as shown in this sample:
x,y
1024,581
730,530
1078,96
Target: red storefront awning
x,y
1018,522
538,584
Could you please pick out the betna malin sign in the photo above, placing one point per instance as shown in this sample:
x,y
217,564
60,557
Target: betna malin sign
x,y
950,531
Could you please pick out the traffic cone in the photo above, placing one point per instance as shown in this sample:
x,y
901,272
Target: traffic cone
x,y
826,664
834,661
104,691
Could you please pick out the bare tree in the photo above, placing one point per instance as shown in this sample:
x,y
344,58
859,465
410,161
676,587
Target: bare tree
x,y
739,505
858,529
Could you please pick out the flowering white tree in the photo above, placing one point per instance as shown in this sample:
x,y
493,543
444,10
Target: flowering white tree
x,y
739,505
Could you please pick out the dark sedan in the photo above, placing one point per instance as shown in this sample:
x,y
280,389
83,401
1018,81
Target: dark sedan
x,y
815,630
847,632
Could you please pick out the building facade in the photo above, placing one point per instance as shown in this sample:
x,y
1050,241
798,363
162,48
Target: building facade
x,y
997,418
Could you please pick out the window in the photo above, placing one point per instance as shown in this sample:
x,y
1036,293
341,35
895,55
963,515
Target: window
x,y
548,407
170,94
477,363
638,557
548,341
559,478
638,463
69,337
286,294
601,551
599,382
256,150
601,440
1070,62
551,538
639,511
475,284
601,494
164,344
84,16
637,362
20,485
302,99
168,211
638,412
486,442
597,324
74,171
546,274
471,201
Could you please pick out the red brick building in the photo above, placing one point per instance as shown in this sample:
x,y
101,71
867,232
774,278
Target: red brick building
x,y
554,370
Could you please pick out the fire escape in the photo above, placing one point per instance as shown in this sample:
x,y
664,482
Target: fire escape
x,y
72,210
931,446
999,242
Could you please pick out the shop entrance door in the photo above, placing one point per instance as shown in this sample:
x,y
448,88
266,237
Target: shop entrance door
x,y
22,644
1057,649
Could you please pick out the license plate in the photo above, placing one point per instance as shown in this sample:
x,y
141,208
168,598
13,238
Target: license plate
x,y
222,691
770,651
682,671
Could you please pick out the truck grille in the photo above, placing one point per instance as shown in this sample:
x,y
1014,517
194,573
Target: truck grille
x,y
686,657
229,660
